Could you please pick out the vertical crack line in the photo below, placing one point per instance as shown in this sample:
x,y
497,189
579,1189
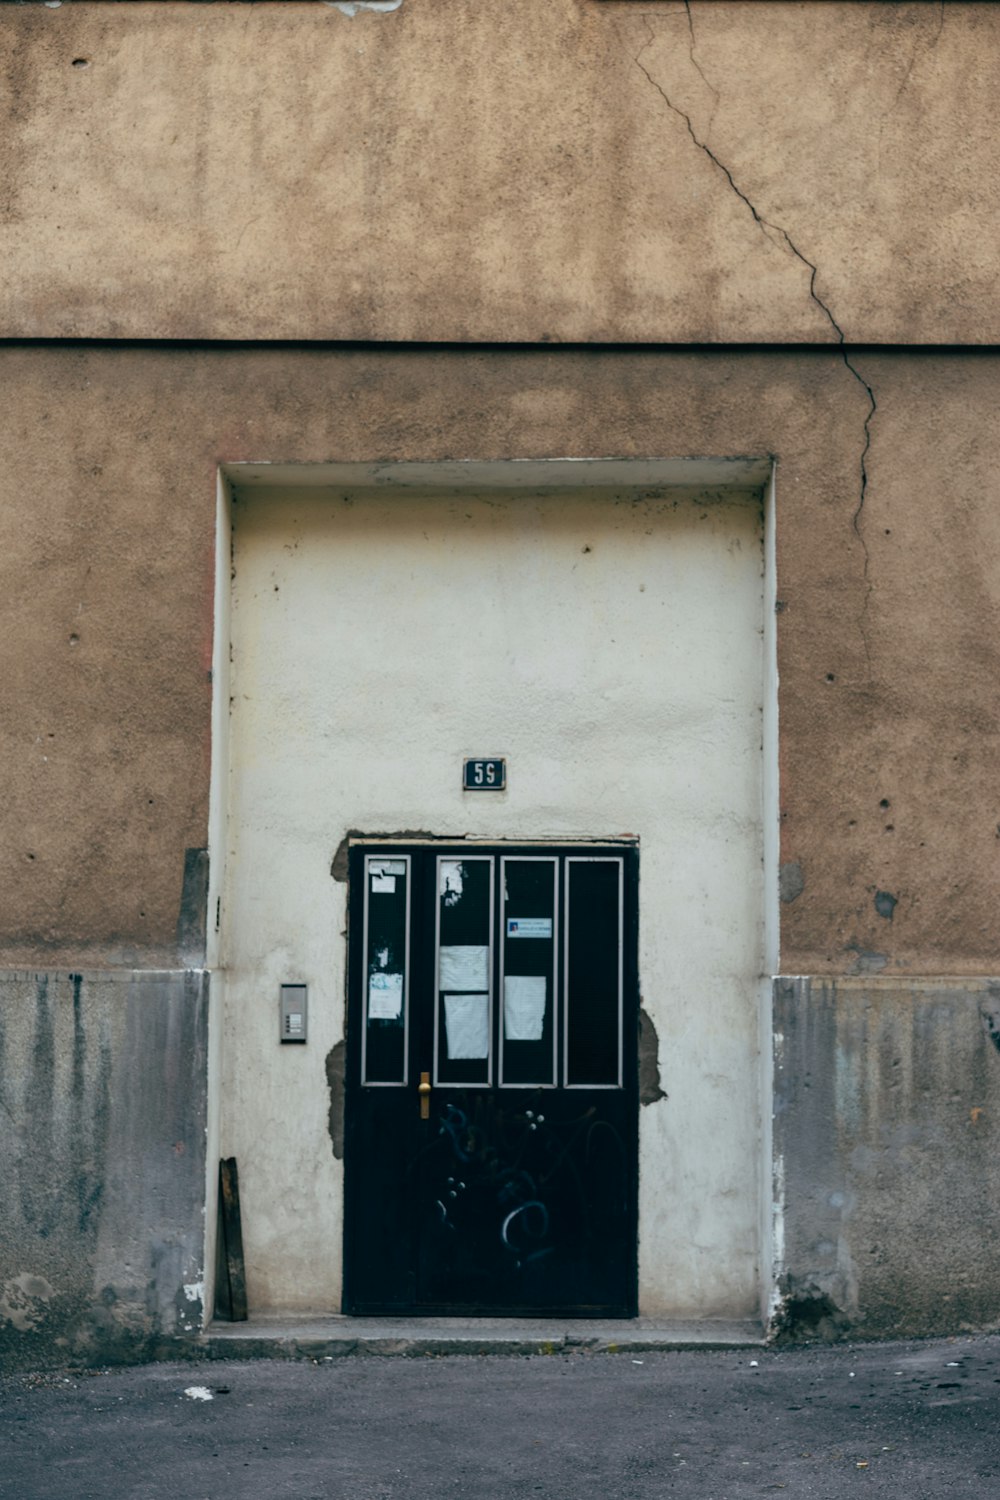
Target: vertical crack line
x,y
700,70
780,236
859,508
770,230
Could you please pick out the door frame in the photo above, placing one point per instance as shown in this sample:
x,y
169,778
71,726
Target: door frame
x,y
625,1091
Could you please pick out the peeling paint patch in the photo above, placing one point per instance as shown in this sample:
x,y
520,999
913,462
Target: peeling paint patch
x,y
649,1061
335,1083
351,7
866,961
194,1291
338,865
885,904
791,881
23,1300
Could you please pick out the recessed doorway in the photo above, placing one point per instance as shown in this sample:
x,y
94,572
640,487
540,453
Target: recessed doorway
x,y
601,629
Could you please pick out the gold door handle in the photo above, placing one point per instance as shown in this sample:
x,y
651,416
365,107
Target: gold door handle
x,y
424,1090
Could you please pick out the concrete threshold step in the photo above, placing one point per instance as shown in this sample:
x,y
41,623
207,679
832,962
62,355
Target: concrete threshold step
x,y
334,1337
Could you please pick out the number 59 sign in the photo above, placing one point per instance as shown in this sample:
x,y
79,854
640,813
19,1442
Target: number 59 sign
x,y
484,775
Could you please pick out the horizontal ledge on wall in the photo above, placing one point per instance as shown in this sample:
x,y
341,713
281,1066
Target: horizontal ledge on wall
x,y
473,346
971,983
526,474
23,975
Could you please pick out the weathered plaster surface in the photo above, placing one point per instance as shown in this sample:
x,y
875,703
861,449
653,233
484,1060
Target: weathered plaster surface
x,y
887,656
737,172
887,1128
102,1121
580,170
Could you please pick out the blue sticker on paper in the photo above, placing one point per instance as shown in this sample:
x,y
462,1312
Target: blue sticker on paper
x,y
529,927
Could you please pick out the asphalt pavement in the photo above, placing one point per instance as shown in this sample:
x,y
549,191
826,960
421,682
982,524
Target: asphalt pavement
x,y
913,1420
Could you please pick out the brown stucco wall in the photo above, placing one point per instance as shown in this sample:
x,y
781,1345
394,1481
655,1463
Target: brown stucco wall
x,y
887,624
573,170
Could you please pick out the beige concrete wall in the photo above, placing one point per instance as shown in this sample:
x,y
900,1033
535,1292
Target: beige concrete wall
x,y
887,627
573,170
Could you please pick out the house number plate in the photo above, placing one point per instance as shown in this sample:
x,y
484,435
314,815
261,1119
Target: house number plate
x,y
484,775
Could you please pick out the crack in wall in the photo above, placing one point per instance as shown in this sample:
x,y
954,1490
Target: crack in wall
x,y
856,518
700,70
917,49
779,236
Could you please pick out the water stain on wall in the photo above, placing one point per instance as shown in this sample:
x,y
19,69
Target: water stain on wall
x,y
191,918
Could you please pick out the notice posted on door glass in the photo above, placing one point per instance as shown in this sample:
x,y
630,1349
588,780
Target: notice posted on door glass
x,y
385,997
465,968
467,1024
524,1007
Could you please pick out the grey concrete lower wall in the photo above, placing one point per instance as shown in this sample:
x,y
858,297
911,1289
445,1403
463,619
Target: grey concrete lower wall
x,y
886,1144
102,1139
887,1155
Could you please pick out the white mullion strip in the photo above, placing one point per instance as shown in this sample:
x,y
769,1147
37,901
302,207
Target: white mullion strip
x,y
491,931
565,976
554,1081
364,972
621,942
437,967
406,971
502,925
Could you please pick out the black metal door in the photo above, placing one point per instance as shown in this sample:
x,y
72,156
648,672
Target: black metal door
x,y
491,1107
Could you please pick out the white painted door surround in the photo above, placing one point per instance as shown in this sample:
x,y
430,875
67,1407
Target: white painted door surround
x,y
602,625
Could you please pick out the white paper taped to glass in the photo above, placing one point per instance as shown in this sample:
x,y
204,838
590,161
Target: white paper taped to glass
x,y
467,1026
385,997
383,873
524,1007
465,968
